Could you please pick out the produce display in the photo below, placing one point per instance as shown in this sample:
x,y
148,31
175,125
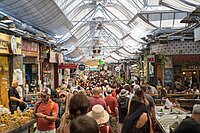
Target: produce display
x,y
9,121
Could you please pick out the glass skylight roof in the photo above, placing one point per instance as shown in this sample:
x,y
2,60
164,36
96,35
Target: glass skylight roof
x,y
178,5
120,20
122,23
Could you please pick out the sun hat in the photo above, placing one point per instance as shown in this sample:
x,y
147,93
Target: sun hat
x,y
74,90
123,93
46,91
99,114
136,87
63,93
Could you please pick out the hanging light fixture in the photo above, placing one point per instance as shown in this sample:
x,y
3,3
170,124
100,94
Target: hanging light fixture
x,y
97,48
100,26
6,19
12,27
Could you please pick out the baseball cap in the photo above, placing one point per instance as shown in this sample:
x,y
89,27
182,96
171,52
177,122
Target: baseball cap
x,y
46,91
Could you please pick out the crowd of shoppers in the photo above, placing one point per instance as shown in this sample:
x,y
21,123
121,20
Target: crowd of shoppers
x,y
99,101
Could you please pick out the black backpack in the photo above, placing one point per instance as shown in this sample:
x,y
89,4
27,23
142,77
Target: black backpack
x,y
123,104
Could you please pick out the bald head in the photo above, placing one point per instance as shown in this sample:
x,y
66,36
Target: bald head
x,y
96,90
15,83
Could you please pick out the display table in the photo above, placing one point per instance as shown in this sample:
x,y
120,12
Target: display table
x,y
185,95
167,118
23,129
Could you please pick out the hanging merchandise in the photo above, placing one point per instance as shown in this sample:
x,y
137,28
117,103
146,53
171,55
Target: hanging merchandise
x,y
17,75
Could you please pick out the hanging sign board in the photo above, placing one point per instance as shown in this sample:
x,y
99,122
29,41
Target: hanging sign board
x,y
151,58
117,69
81,67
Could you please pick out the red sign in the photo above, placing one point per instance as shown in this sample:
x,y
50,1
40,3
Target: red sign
x,y
30,48
186,58
151,58
64,66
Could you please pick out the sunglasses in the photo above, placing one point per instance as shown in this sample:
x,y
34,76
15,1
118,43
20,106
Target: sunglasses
x,y
62,96
42,96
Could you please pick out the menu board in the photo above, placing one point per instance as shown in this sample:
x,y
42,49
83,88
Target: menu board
x,y
168,75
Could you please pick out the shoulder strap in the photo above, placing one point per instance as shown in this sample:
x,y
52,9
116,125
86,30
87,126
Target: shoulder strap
x,y
36,109
52,105
107,129
149,122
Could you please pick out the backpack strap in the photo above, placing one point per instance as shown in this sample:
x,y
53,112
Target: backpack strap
x,y
149,122
51,106
36,109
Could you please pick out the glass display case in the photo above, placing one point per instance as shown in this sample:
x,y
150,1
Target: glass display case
x,y
169,119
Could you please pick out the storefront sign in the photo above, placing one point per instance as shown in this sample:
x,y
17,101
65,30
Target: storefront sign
x,y
186,58
10,44
64,66
30,48
4,43
4,47
151,58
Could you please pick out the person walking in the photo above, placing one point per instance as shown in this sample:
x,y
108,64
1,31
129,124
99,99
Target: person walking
x,y
84,124
102,117
77,105
62,106
46,112
123,101
113,105
96,99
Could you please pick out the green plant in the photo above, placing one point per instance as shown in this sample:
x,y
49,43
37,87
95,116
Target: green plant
x,y
128,81
162,59
118,78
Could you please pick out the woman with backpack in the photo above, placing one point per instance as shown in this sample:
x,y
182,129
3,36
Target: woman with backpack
x,y
122,107
138,119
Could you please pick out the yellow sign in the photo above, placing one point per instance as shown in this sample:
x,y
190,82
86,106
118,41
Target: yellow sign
x,y
5,44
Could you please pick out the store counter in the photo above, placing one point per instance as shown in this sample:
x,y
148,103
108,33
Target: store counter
x,y
169,118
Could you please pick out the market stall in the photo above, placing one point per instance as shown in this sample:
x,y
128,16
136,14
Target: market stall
x,y
169,119
19,122
23,128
